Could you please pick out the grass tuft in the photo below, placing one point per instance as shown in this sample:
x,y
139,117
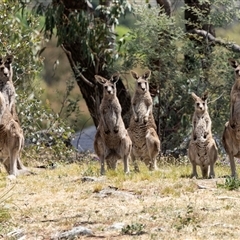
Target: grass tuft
x,y
4,215
231,183
133,229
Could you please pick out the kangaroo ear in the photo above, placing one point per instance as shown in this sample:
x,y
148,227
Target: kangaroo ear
x,y
100,79
134,75
9,59
146,75
115,77
233,62
194,96
205,96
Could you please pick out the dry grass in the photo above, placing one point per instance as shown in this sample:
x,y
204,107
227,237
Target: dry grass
x,y
151,205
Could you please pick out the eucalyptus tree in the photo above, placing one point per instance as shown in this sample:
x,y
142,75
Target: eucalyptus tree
x,y
86,33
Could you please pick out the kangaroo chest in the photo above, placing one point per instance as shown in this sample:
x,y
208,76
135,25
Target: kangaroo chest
x,y
110,111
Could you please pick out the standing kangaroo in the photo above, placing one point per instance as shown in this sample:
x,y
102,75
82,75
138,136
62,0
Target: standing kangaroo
x,y
11,134
231,133
112,141
142,127
202,147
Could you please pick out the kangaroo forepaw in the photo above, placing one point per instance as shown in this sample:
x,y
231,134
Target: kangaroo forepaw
x,y
107,131
116,129
205,134
145,119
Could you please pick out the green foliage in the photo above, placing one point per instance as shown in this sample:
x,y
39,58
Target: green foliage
x,y
190,217
231,183
223,12
45,128
133,229
94,32
159,43
20,36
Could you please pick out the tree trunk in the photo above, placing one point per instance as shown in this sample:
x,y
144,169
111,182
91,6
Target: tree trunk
x,y
92,93
166,5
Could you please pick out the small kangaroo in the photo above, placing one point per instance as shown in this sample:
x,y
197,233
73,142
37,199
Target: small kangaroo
x,y
142,127
112,141
231,133
202,147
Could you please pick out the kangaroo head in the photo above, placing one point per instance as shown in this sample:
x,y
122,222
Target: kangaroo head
x,y
142,84
109,86
200,103
236,66
5,68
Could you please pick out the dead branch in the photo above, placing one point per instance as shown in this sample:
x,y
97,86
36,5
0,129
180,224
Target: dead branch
x,y
74,67
229,45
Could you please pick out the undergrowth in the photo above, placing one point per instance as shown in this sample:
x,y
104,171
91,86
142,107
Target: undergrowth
x,y
231,183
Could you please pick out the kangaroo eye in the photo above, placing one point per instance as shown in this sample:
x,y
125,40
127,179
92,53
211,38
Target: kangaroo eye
x,y
198,104
237,71
203,104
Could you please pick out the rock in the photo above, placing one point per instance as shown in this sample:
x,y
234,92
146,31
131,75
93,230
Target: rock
x,y
16,234
114,192
117,226
73,233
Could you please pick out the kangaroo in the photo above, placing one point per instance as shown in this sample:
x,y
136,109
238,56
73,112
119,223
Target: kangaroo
x,y
142,127
112,141
202,147
11,134
231,133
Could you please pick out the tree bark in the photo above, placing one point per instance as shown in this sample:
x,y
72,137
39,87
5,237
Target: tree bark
x,y
166,5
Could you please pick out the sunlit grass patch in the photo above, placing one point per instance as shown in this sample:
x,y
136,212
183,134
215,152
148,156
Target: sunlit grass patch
x,y
90,168
3,180
5,214
189,216
170,191
222,169
97,188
